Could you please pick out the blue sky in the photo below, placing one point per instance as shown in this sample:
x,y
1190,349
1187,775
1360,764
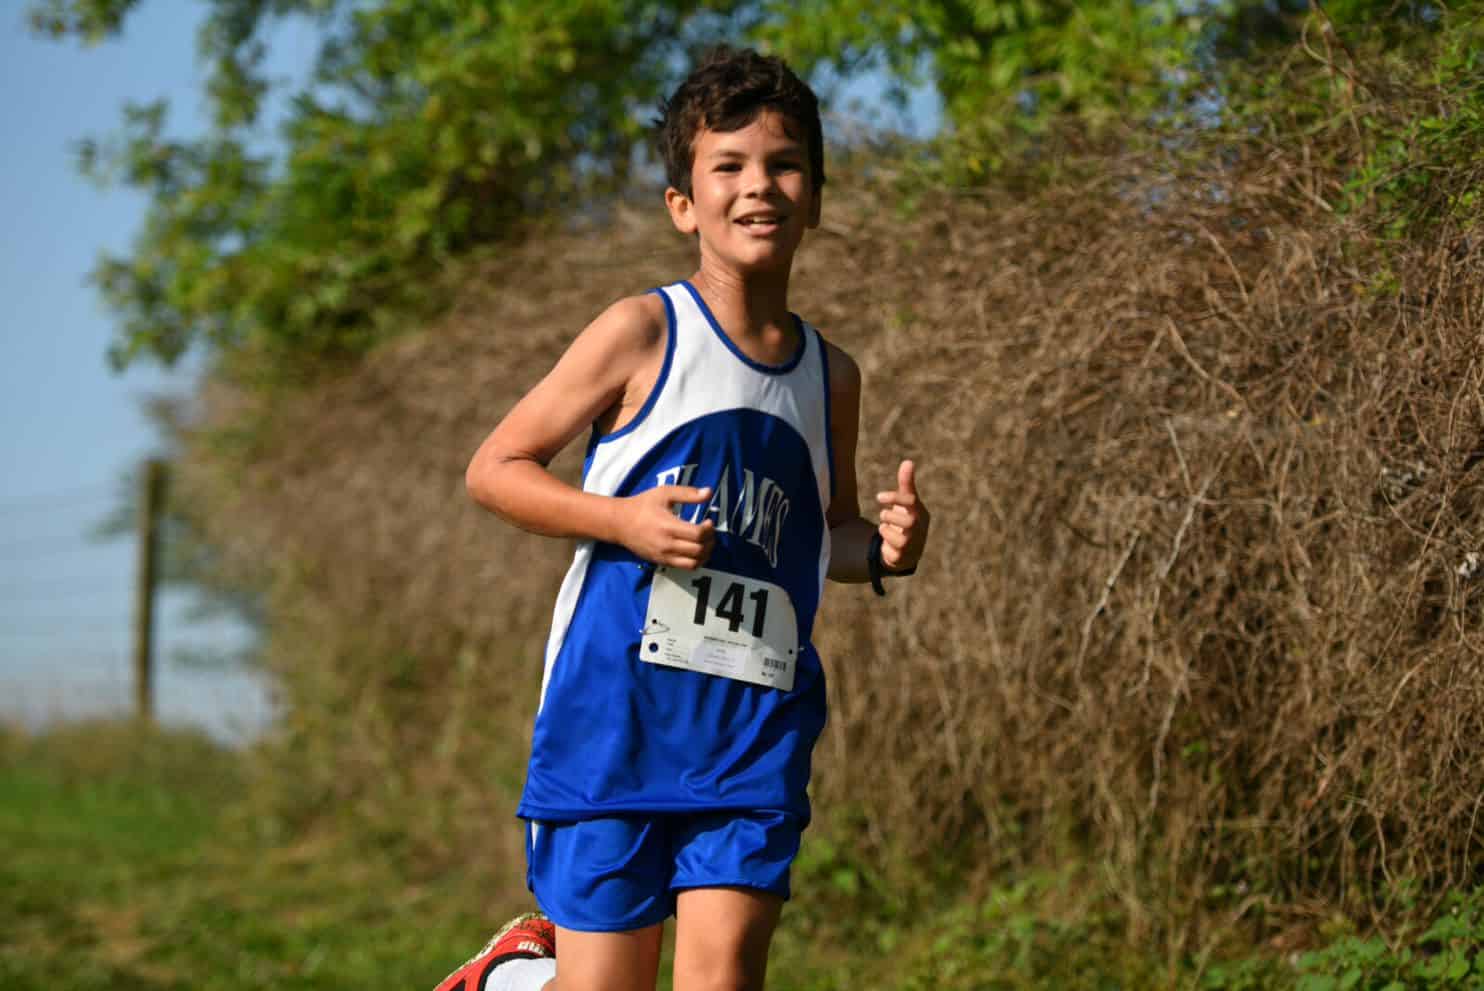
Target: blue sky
x,y
73,428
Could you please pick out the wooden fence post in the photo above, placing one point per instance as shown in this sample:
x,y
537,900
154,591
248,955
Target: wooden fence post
x,y
151,505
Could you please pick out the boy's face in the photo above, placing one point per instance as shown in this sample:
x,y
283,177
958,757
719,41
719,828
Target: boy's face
x,y
752,196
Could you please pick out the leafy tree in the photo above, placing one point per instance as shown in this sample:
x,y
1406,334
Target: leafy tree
x,y
1002,61
429,126
432,127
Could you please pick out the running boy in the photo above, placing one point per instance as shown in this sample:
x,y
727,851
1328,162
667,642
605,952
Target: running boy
x,y
682,698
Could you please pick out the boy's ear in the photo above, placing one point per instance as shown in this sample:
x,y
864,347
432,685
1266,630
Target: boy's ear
x,y
681,214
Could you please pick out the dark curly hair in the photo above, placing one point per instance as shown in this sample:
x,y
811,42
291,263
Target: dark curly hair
x,y
726,92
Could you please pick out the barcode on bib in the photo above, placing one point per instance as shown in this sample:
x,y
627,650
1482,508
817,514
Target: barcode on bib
x,y
774,663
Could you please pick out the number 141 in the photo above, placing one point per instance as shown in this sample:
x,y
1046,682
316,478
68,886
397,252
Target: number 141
x,y
730,605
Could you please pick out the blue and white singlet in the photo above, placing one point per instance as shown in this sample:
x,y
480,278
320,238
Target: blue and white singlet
x,y
617,732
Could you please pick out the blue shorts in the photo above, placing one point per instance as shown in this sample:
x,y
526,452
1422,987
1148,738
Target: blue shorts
x,y
621,873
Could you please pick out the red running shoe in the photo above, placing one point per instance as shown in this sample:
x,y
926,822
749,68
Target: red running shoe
x,y
529,936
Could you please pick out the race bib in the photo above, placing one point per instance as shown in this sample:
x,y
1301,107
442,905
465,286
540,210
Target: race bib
x,y
722,624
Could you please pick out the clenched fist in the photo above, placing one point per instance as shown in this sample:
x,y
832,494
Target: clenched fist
x,y
648,525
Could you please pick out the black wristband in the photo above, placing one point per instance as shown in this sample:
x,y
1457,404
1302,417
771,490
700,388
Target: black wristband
x,y
873,563
877,568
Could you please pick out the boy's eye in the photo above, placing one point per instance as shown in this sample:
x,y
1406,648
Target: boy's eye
x,y
729,167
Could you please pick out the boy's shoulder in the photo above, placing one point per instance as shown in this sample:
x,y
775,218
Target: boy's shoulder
x,y
845,373
622,338
633,321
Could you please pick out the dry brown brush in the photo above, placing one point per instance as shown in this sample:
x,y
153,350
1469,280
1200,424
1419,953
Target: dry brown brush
x,y
1205,601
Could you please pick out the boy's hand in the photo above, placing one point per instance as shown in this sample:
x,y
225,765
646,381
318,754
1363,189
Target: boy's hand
x,y
648,526
904,522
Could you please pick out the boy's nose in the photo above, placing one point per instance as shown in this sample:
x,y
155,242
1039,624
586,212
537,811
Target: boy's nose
x,y
760,180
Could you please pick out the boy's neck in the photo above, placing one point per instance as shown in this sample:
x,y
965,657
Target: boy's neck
x,y
746,306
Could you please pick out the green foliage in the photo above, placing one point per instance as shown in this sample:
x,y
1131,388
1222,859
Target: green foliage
x,y
860,922
131,863
1394,97
1448,954
90,20
1249,974
1003,65
427,128
127,867
1407,91
1423,168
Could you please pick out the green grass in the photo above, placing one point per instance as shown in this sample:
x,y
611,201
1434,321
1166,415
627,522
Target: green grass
x,y
129,861
132,863
124,870
853,927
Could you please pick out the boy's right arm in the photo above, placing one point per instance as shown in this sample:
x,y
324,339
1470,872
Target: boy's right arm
x,y
608,369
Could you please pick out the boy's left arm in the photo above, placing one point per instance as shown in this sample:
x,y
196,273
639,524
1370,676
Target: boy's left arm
x,y
904,517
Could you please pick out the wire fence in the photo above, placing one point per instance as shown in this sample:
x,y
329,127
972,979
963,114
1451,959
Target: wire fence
x,y
67,626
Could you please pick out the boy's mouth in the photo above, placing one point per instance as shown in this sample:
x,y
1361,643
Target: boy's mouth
x,y
761,223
